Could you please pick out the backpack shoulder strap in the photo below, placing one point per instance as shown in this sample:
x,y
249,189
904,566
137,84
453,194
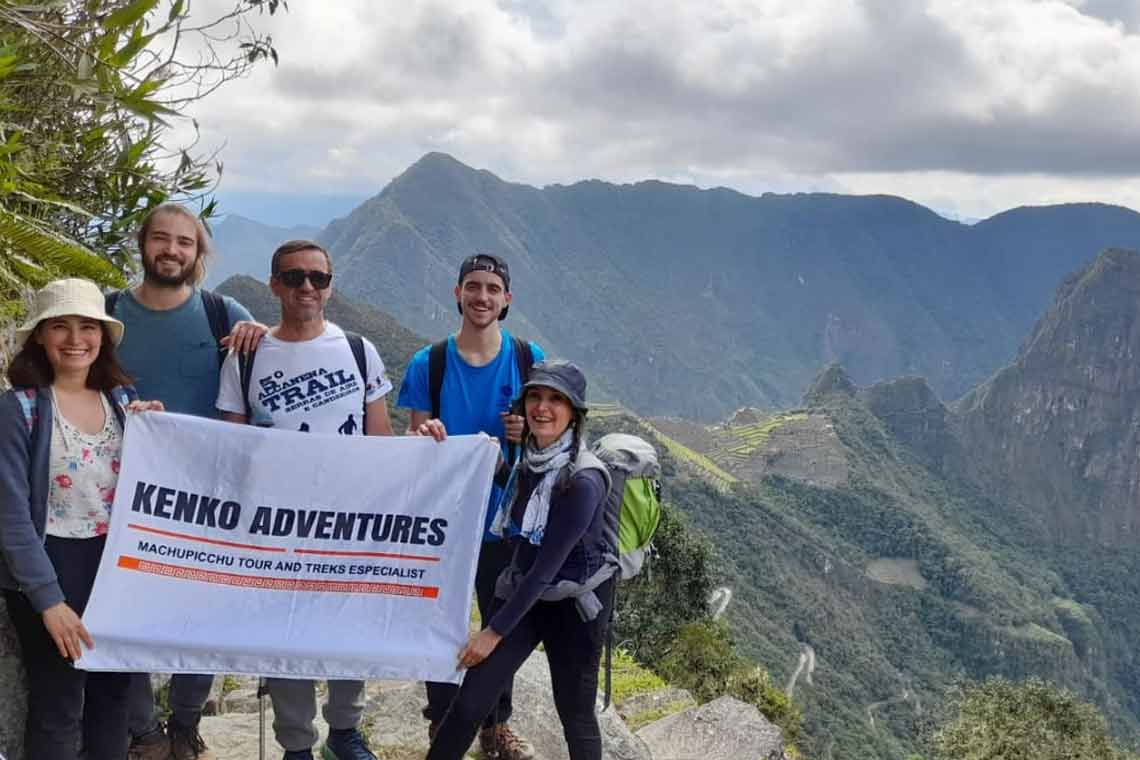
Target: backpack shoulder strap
x,y
524,357
356,343
120,396
27,399
245,375
110,301
219,318
437,363
588,460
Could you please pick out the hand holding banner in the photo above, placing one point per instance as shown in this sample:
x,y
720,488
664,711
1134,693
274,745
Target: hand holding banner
x,y
236,549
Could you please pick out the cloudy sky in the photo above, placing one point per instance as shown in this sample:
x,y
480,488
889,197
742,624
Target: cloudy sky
x,y
967,106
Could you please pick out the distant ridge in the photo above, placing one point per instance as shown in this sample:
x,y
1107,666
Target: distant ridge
x,y
709,300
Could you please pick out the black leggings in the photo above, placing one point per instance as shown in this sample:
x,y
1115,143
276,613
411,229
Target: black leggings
x,y
573,649
68,706
494,557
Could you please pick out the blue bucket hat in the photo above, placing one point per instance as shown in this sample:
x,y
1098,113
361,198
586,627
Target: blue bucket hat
x,y
562,376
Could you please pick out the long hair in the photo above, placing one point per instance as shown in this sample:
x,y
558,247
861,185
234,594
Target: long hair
x,y
205,249
30,366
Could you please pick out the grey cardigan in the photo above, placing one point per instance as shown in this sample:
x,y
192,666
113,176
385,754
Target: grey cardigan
x,y
24,462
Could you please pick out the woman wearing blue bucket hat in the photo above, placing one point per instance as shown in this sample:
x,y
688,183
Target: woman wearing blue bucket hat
x,y
552,510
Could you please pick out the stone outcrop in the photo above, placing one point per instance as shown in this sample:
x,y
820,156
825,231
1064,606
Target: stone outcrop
x,y
392,719
724,729
913,415
832,380
1058,430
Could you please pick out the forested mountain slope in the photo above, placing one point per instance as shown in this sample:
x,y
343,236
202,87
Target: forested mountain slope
x,y
708,300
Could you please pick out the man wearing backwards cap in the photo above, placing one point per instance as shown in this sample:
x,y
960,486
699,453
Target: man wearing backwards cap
x,y
482,373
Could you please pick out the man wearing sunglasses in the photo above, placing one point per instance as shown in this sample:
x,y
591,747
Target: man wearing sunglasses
x,y
305,375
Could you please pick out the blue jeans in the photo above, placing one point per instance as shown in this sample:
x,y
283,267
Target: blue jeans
x,y
573,649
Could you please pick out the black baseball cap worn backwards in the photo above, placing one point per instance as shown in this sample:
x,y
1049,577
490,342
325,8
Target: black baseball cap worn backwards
x,y
485,262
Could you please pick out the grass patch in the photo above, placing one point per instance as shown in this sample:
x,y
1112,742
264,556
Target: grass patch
x,y
1034,632
1072,610
722,477
742,441
631,679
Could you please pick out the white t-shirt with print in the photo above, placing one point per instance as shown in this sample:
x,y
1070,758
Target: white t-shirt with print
x,y
311,385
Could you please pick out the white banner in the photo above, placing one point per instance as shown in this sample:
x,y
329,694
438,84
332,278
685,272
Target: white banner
x,y
236,549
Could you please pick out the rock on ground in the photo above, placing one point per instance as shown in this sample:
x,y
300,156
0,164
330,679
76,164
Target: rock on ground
x,y
397,731
724,729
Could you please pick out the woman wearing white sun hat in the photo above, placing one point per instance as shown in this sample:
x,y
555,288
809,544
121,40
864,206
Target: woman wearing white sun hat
x,y
61,430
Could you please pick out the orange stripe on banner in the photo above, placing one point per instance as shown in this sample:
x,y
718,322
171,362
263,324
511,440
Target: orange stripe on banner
x,y
331,553
273,584
214,541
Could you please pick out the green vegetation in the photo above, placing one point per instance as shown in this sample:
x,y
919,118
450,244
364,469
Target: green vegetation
x,y
663,624
88,91
1003,720
796,557
631,679
703,659
711,469
742,441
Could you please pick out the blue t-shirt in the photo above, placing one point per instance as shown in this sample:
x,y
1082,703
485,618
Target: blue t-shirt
x,y
472,398
172,355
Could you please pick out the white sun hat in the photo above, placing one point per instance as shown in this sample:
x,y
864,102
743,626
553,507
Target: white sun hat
x,y
69,297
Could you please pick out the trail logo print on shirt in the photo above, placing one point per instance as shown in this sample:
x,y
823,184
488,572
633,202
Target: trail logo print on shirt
x,y
306,391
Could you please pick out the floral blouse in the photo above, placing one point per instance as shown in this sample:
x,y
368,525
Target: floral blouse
x,y
83,471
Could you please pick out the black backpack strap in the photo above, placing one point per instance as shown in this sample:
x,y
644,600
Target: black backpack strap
x,y
110,301
437,362
356,343
219,318
524,357
245,374
610,647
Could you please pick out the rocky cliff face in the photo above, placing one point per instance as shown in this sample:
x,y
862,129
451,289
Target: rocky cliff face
x,y
1058,431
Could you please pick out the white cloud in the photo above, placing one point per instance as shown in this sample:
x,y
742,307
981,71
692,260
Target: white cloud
x,y
984,104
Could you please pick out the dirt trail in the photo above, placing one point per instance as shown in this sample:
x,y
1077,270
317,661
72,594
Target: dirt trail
x,y
906,696
719,600
806,666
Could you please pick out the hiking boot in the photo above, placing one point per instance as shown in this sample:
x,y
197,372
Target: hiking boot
x,y
499,742
152,746
346,744
186,743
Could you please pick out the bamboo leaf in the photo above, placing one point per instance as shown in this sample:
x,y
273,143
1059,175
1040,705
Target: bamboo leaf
x,y
129,15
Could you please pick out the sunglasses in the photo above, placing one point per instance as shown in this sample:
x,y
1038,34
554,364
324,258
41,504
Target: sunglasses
x,y
295,278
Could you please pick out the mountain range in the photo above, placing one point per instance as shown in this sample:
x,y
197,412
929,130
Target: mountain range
x,y
897,543
710,300
893,540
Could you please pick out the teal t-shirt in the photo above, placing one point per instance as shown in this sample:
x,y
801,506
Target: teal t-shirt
x,y
172,354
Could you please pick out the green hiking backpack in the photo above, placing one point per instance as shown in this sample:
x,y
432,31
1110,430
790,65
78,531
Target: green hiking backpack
x,y
633,512
633,503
